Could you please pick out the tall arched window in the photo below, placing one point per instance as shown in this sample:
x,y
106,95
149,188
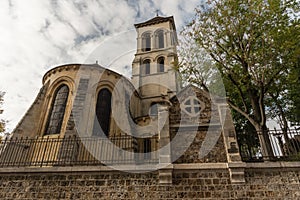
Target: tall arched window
x,y
57,110
160,64
103,112
146,42
159,37
146,66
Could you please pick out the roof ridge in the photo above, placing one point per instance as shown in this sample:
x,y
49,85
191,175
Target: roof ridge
x,y
155,20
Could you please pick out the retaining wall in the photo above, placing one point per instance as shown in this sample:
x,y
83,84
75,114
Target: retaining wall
x,y
280,180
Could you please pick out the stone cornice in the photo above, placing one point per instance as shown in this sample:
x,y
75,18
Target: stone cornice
x,y
156,20
68,67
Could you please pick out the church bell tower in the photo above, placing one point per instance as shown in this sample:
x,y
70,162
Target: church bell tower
x,y
152,68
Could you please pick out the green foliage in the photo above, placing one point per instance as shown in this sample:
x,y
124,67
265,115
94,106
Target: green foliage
x,y
253,43
195,66
293,95
2,122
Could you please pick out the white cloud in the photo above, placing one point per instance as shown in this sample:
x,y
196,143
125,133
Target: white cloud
x,y
37,35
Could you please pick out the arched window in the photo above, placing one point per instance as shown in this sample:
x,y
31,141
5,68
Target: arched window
x,y
146,42
159,37
160,64
146,65
57,110
103,112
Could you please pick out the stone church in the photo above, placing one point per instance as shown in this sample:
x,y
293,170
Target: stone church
x,y
87,114
93,134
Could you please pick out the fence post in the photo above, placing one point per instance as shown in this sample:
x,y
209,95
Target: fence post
x,y
165,173
45,149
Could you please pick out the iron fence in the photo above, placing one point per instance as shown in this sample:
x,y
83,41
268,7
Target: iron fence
x,y
72,151
122,150
285,146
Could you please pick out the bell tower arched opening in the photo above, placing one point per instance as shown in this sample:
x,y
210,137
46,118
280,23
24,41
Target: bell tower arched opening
x,y
159,39
146,42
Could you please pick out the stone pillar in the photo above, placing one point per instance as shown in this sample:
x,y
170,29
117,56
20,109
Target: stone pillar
x,y
235,165
152,42
166,39
139,44
165,166
237,172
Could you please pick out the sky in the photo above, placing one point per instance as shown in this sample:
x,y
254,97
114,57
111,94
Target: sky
x,y
37,35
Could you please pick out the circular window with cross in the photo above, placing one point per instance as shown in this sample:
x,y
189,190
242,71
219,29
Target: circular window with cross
x,y
192,106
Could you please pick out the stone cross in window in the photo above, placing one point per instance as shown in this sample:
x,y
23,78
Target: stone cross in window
x,y
192,106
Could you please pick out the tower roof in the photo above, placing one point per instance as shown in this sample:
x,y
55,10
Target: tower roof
x,y
156,20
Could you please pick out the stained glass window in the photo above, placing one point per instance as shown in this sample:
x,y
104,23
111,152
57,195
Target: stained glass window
x,y
57,110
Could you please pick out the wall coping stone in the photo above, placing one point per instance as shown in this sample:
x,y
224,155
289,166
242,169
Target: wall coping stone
x,y
55,169
201,166
144,168
128,168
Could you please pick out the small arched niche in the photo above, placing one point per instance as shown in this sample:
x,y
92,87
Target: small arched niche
x,y
161,64
146,66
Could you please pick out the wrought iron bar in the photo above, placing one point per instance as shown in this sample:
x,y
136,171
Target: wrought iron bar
x,y
285,146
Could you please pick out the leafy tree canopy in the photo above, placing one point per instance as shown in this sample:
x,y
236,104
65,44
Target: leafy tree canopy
x,y
253,43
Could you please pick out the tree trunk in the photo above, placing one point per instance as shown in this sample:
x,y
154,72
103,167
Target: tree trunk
x,y
265,143
259,121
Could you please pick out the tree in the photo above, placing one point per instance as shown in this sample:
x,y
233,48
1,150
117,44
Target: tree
x,y
293,114
253,43
2,122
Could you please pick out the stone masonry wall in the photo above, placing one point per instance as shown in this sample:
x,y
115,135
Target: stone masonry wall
x,y
191,152
208,143
213,183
